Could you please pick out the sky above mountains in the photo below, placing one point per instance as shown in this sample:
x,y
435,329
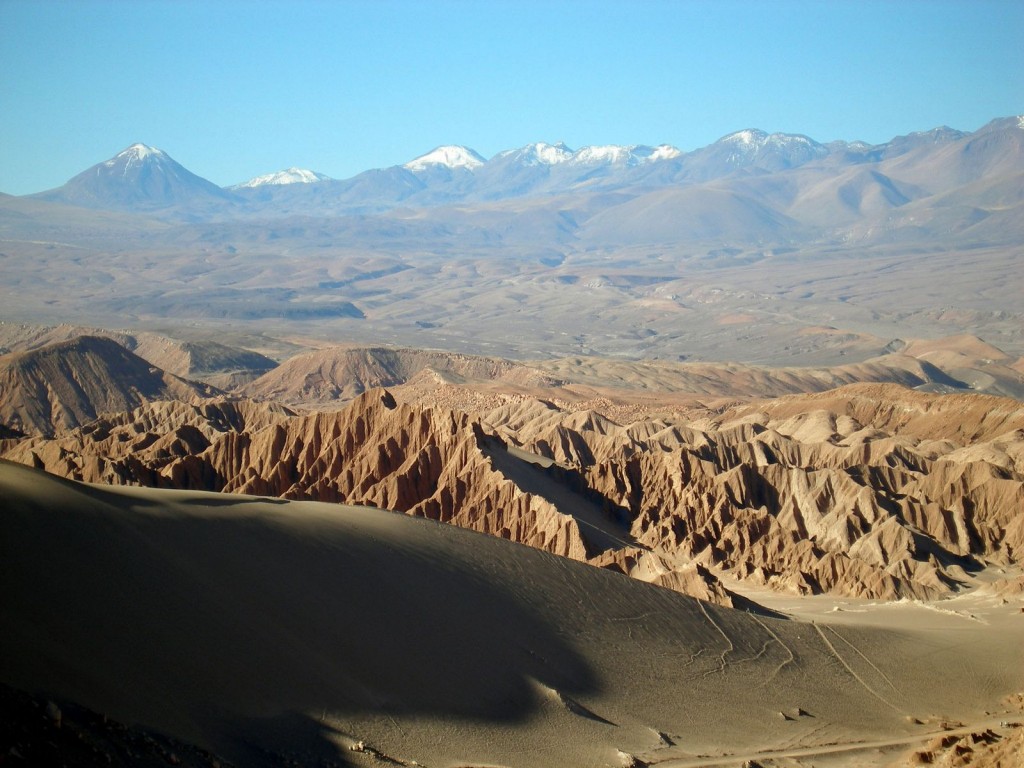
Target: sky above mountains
x,y
242,89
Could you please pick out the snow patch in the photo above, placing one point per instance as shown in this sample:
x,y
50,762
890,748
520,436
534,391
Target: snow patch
x,y
136,153
141,151
551,154
787,140
609,153
540,153
748,137
287,176
747,143
664,152
451,156
631,155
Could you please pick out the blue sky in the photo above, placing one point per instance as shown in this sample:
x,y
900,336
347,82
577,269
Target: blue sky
x,y
232,90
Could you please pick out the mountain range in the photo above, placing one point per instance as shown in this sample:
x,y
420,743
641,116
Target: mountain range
x,y
757,168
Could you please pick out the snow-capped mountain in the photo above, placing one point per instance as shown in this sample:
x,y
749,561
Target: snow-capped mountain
x,y
633,154
136,155
539,153
137,178
449,156
287,176
866,177
630,155
749,151
789,149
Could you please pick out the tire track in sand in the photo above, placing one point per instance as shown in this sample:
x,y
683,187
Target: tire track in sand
x,y
851,670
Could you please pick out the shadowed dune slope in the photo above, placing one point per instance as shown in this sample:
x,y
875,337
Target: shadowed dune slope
x,y
257,627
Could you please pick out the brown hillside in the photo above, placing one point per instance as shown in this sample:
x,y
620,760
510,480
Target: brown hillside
x,y
341,373
63,385
327,377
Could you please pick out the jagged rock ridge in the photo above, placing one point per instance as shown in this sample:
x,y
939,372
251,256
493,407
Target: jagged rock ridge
x,y
864,491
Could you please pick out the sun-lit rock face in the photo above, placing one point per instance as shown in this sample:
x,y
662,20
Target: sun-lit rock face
x,y
66,384
436,464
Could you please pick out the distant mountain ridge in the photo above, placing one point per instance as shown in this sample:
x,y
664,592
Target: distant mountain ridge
x,y
146,179
749,189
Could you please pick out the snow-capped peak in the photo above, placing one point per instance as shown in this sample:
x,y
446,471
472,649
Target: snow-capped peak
x,y
287,176
753,139
634,154
788,147
450,156
789,140
141,151
1020,122
136,153
748,137
663,152
607,153
540,153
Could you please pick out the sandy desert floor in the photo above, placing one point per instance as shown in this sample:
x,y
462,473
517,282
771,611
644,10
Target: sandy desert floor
x,y
268,631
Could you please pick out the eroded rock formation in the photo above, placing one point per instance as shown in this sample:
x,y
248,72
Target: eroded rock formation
x,y
869,491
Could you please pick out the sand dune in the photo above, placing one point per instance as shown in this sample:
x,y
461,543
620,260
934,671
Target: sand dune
x,y
254,626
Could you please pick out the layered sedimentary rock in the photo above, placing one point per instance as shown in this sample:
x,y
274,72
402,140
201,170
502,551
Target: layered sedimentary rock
x,y
871,490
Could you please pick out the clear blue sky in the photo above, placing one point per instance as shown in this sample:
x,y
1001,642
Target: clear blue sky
x,y
232,90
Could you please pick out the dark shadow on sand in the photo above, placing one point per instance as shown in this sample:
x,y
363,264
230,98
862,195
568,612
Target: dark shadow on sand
x,y
230,631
